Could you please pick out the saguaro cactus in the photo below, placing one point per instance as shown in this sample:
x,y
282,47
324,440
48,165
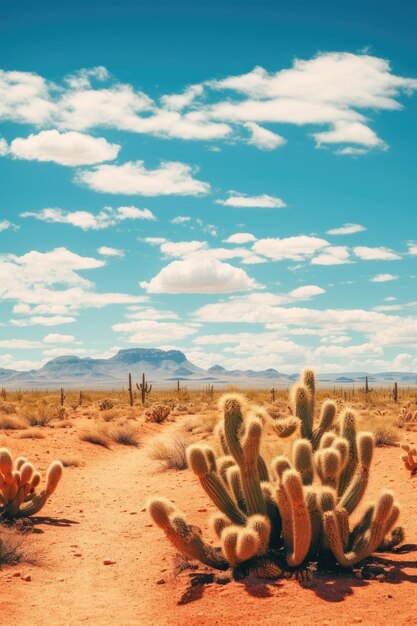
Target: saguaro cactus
x,y
62,396
144,387
130,390
395,392
296,511
18,483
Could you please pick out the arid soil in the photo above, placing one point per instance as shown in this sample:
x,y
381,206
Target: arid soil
x,y
96,558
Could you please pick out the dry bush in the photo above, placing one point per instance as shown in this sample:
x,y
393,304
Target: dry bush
x,y
384,428
201,424
407,416
10,423
11,546
110,414
105,405
96,436
157,413
42,414
32,434
70,461
7,407
125,434
170,451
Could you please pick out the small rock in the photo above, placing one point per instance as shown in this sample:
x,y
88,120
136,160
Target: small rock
x,y
16,575
27,578
202,510
161,581
108,562
77,554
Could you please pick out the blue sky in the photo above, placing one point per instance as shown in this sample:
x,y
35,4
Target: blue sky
x,y
235,180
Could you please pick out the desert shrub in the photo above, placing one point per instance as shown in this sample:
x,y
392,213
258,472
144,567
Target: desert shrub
x,y
407,416
110,414
10,423
157,413
7,407
384,429
11,546
42,414
32,434
105,405
125,434
98,437
296,512
170,451
19,494
70,461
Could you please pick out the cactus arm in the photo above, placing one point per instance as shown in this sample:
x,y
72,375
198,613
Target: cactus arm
x,y
296,527
251,485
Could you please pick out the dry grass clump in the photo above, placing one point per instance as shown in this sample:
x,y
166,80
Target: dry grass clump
x,y
96,436
384,429
31,434
170,451
125,434
42,414
105,404
11,546
7,407
110,414
10,423
407,416
157,413
70,461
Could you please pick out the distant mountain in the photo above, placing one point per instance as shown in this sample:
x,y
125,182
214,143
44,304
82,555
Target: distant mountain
x,y
162,367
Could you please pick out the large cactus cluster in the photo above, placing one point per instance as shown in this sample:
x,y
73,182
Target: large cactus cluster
x,y
19,482
297,510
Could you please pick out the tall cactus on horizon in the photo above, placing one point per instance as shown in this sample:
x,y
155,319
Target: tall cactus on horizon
x,y
144,387
297,510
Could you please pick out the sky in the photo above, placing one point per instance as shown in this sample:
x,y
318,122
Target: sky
x,y
234,180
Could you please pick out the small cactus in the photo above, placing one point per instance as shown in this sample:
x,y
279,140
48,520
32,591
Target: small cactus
x,y
18,484
157,413
409,458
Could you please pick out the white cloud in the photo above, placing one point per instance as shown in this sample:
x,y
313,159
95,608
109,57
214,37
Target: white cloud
x,y
149,313
332,255
296,248
349,132
4,148
70,148
306,292
240,238
181,248
108,251
6,225
150,332
383,278
19,344
241,200
346,229
376,254
86,220
132,178
412,248
200,275
58,338
180,219
262,138
42,320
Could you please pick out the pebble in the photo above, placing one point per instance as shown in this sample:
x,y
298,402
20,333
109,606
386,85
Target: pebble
x,y
161,581
108,562
27,578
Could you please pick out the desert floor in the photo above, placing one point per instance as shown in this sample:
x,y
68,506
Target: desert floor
x,y
98,515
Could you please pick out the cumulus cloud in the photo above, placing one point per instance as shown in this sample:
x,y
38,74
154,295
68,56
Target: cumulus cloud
x,y
132,178
383,278
332,255
263,138
412,248
19,344
346,229
376,254
240,238
86,220
108,251
331,90
295,248
58,338
241,200
71,148
200,275
180,219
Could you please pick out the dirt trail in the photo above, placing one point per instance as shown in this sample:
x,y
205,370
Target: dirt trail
x,y
98,513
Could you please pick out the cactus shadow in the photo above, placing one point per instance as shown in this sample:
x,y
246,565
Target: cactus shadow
x,y
336,589
51,521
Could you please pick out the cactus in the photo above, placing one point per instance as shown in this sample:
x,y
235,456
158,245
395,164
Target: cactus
x,y
296,511
62,396
395,392
144,387
18,483
409,458
130,389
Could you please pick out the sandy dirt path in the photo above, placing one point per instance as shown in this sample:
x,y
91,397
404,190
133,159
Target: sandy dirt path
x,y
98,514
